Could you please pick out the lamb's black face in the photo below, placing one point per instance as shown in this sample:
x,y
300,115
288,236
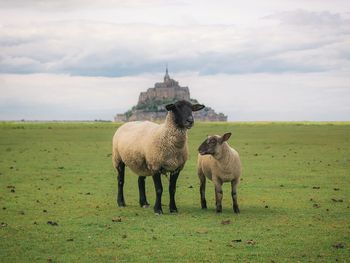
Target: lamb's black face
x,y
209,145
183,113
212,144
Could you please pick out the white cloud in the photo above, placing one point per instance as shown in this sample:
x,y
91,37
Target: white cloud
x,y
268,60
291,96
107,49
51,96
160,12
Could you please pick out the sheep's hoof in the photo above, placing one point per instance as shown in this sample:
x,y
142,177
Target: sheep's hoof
x,y
158,211
173,210
219,209
204,204
144,204
121,204
236,209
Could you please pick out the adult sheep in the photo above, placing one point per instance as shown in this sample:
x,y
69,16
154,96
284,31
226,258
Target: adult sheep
x,y
220,163
151,149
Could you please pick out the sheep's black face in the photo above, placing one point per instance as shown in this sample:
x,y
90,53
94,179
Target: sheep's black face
x,y
212,144
183,113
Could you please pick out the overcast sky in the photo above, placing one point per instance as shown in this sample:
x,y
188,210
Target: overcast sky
x,y
252,60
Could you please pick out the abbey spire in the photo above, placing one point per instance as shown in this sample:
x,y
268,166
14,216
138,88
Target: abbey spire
x,y
166,77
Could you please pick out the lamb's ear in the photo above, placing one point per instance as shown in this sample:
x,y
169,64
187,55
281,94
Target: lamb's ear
x,y
170,107
225,137
197,107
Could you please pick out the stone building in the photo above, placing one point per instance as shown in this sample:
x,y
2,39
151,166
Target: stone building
x,y
168,89
151,103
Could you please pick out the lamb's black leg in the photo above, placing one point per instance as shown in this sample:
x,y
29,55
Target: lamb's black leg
x,y
218,196
202,180
234,196
142,191
172,190
121,173
159,190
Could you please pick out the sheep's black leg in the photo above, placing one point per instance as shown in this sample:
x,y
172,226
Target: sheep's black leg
x,y
142,191
159,190
218,196
121,173
234,184
172,190
202,180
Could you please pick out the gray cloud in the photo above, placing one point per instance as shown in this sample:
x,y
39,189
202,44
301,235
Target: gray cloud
x,y
86,60
59,5
106,49
318,19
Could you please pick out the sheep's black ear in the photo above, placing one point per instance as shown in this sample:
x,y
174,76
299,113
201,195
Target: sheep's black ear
x,y
197,107
225,137
170,107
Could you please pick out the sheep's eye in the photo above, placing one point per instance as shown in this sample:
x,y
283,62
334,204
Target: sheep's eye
x,y
212,141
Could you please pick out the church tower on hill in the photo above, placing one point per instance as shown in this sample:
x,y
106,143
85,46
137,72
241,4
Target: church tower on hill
x,y
166,77
167,90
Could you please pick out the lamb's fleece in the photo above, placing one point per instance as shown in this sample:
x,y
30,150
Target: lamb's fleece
x,y
224,165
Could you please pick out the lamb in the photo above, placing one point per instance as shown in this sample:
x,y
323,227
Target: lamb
x,y
219,163
151,149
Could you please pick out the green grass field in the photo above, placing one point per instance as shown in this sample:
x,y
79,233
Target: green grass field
x,y
294,198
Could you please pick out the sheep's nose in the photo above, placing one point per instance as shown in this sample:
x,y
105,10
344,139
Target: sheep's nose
x,y
190,119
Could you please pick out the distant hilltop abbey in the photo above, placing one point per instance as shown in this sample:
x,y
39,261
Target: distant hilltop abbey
x,y
151,104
